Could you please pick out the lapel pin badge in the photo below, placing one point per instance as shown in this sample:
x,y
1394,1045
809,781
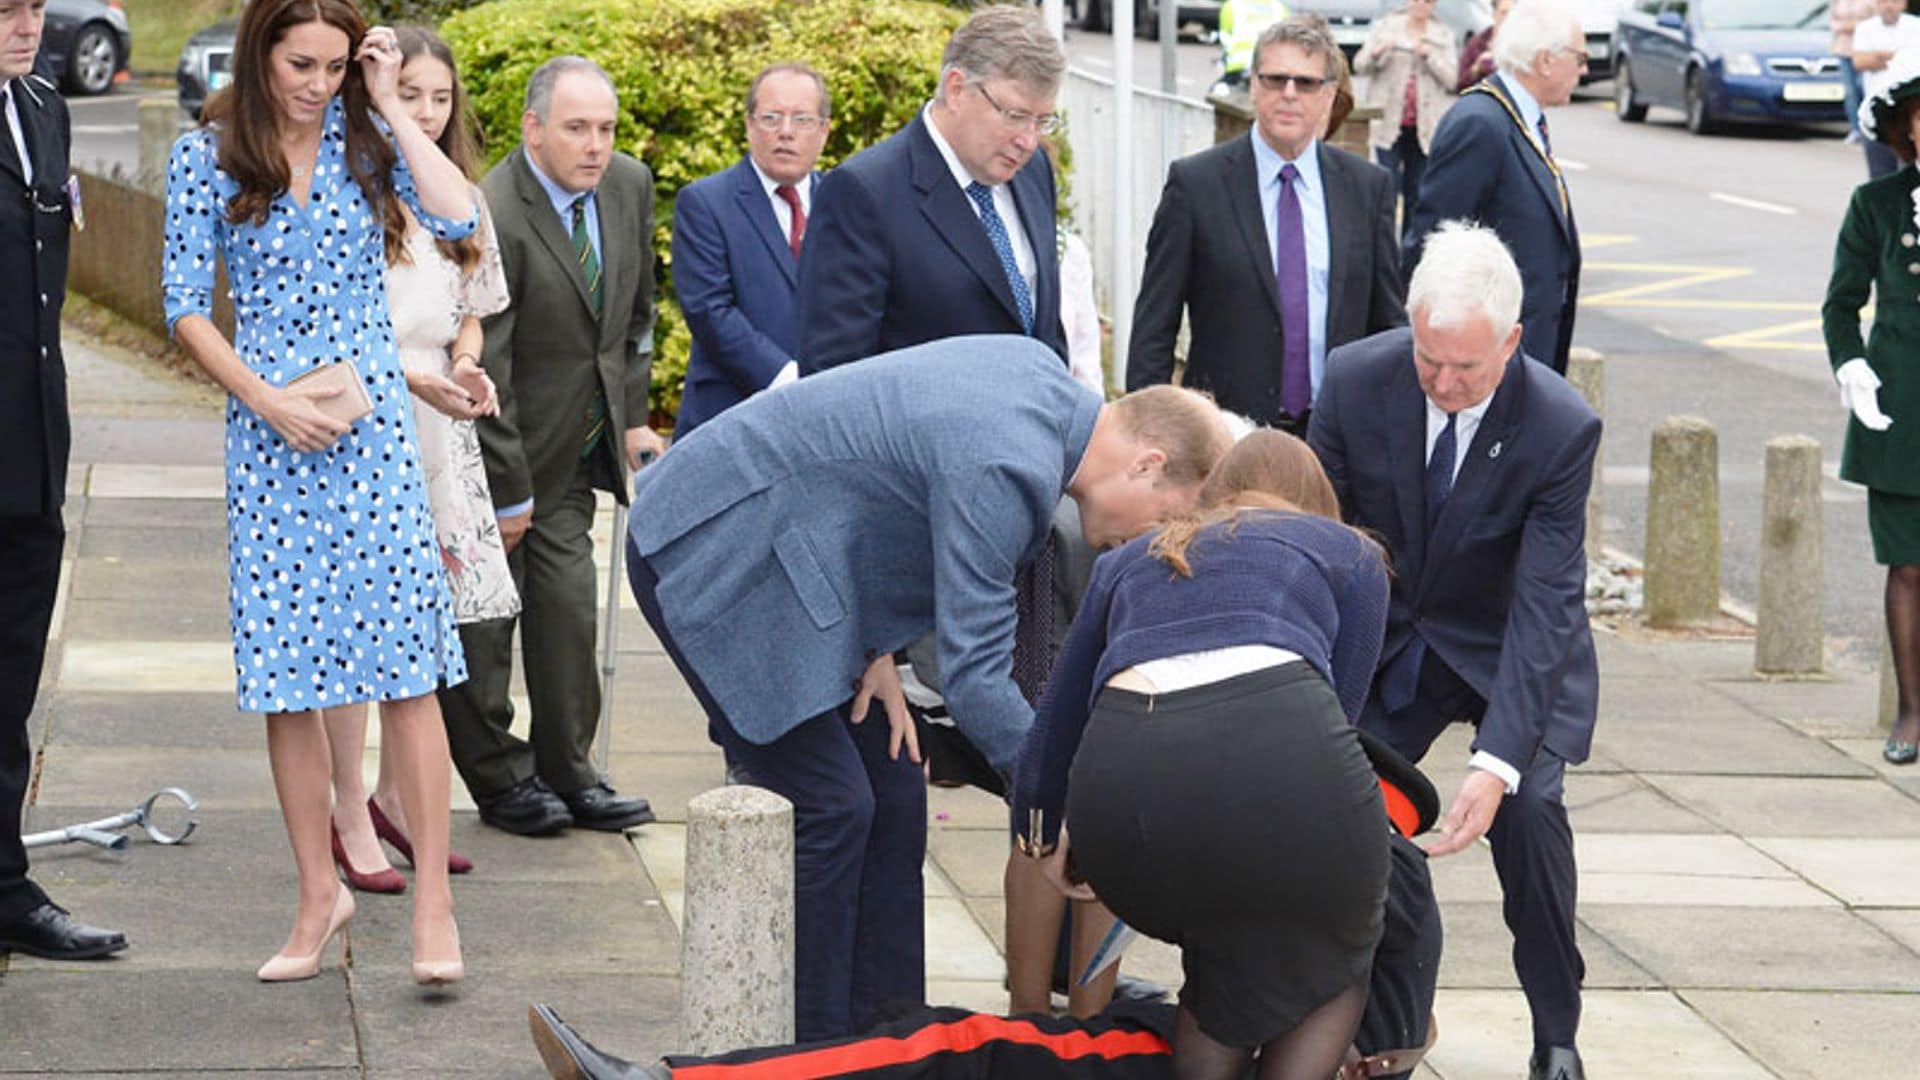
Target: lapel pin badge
x,y
1494,451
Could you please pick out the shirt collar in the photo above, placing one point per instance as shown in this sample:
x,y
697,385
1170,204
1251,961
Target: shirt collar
x,y
769,184
1267,162
960,174
1471,414
561,198
1530,109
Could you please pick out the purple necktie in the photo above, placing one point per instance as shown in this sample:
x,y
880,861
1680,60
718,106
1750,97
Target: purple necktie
x,y
1290,274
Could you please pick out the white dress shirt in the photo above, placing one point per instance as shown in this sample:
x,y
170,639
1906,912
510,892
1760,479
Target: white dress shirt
x,y
16,130
1002,204
783,213
1466,423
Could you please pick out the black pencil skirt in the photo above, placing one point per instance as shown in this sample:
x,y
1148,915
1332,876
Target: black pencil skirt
x,y
1240,821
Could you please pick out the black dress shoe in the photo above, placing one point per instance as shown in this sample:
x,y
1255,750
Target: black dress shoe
x,y
1556,1063
567,1056
528,808
601,807
51,934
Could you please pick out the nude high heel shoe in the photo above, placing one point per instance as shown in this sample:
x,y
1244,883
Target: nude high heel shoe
x,y
441,972
284,968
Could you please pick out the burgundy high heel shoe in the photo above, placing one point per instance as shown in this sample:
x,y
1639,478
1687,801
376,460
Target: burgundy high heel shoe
x,y
383,881
388,831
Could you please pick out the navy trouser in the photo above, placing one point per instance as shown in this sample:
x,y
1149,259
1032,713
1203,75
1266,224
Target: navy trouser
x,y
860,837
1532,849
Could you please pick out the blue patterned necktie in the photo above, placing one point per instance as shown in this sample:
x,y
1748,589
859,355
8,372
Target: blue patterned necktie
x,y
1003,246
1290,278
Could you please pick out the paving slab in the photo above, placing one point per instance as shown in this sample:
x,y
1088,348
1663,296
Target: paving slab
x,y
1662,699
227,846
205,545
1685,870
157,582
1756,948
576,929
153,515
108,719
104,776
1465,877
119,480
1900,924
1793,806
975,859
1645,1035
173,1020
1624,803
1817,1036
1843,699
148,667
669,781
1628,659
1479,953
1866,749
479,1027
1742,742
1861,872
197,616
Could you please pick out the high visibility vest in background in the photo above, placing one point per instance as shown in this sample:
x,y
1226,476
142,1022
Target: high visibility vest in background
x,y
1240,24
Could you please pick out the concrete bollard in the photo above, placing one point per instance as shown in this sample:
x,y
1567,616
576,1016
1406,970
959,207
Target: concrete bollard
x,y
159,127
736,948
1683,524
1792,630
1587,372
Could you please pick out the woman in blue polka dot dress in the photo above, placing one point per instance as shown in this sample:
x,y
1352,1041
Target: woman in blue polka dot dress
x,y
335,588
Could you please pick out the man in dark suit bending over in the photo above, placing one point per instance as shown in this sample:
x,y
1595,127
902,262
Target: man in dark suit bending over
x,y
1471,460
1278,245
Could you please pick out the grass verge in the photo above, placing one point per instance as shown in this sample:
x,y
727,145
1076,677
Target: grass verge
x,y
162,27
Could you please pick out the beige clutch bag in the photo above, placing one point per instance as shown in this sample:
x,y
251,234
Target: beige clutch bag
x,y
351,403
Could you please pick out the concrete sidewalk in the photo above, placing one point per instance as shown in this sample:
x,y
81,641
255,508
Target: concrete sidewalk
x,y
1750,872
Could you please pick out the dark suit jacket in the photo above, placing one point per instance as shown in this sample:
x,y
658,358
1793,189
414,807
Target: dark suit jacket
x,y
1484,167
896,256
34,228
1207,252
547,352
735,274
1498,590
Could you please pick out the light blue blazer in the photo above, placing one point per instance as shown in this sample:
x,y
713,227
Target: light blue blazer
x,y
807,530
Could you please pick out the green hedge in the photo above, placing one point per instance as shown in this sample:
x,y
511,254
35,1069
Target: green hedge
x,y
682,68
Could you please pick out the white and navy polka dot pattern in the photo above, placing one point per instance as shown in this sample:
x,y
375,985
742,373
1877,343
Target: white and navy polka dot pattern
x,y
336,588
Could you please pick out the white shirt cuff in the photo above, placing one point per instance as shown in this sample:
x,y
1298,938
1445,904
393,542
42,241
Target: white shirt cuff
x,y
524,507
1486,762
785,375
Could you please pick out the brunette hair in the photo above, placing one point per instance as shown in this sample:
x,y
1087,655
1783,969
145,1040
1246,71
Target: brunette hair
x,y
248,125
1896,126
458,141
1266,470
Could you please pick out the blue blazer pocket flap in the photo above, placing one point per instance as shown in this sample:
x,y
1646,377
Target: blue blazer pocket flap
x,y
809,579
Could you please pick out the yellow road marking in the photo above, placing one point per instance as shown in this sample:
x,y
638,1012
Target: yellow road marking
x,y
1687,277
1765,337
1588,242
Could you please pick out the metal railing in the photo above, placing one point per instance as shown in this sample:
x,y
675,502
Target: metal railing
x,y
1165,127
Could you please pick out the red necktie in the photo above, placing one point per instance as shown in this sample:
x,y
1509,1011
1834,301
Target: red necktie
x,y
797,231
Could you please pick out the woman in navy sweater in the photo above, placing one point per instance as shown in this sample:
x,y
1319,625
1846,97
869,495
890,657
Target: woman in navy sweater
x,y
1197,732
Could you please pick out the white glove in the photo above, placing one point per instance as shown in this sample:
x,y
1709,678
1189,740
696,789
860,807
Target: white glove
x,y
1859,388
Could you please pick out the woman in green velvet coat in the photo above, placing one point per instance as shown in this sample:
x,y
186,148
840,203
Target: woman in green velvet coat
x,y
1879,252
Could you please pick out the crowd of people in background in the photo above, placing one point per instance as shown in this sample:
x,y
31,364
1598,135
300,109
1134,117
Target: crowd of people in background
x,y
896,440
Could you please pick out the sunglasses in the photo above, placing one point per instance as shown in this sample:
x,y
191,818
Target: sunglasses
x,y
1306,84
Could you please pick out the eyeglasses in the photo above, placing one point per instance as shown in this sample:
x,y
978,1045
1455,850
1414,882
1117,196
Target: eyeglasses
x,y
1021,119
774,121
1278,80
1578,52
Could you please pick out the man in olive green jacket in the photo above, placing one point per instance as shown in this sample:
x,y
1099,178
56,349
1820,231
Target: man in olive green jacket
x,y
575,225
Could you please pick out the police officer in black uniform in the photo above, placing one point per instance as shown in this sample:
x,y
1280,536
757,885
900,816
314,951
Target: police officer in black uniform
x,y
35,216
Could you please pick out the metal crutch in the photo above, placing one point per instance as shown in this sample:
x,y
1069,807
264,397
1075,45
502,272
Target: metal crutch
x,y
104,834
610,633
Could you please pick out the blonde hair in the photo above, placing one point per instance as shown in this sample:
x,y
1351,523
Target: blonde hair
x,y
1182,424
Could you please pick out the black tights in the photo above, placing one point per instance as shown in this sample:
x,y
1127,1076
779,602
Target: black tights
x,y
1903,633
1311,1051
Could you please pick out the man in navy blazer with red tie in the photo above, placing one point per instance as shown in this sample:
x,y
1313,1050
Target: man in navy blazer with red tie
x,y
947,227
737,238
1471,461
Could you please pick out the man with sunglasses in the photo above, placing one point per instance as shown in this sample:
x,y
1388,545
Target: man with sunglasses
x,y
1491,161
946,228
737,237
1278,246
